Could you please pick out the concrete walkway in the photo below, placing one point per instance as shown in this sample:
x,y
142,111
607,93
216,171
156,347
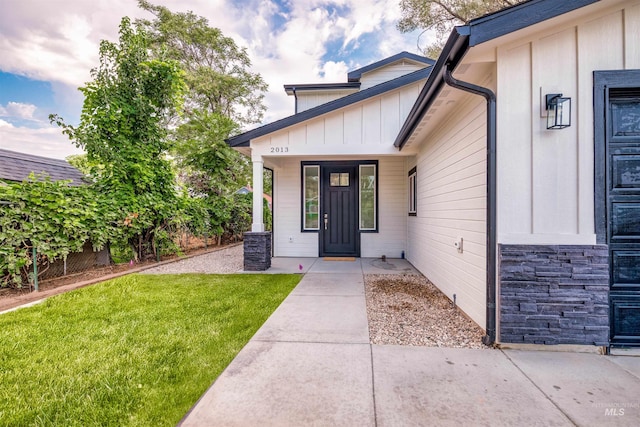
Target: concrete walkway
x,y
311,364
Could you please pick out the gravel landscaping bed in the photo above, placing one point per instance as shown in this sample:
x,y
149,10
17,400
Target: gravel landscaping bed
x,y
228,260
409,310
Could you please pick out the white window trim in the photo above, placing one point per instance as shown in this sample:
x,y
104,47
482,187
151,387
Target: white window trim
x,y
413,192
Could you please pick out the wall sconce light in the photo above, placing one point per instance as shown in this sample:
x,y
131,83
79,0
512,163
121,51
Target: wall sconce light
x,y
558,111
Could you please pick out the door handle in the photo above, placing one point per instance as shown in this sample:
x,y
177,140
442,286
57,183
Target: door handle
x,y
326,221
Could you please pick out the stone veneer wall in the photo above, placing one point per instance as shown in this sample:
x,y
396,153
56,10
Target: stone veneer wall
x,y
257,251
554,294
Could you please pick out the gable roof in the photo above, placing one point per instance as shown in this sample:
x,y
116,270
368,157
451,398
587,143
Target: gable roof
x,y
478,31
243,139
17,167
355,75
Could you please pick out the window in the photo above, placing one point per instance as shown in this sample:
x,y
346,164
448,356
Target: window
x,y
368,198
413,202
339,179
311,191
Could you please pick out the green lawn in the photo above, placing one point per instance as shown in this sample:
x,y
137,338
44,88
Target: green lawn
x,y
138,350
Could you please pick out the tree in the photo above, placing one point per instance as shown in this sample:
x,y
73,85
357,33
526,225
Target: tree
x,y
223,96
442,15
217,70
123,131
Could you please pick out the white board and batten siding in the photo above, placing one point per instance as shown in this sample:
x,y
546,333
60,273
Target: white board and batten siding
x,y
290,241
388,72
451,204
309,99
545,179
365,128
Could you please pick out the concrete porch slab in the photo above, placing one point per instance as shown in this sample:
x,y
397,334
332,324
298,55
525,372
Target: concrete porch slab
x,y
330,284
585,386
328,319
291,384
286,265
324,266
422,386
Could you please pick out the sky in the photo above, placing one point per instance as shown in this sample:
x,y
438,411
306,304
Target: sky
x,y
48,47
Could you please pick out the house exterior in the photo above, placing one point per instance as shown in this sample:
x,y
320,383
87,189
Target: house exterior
x,y
16,167
535,231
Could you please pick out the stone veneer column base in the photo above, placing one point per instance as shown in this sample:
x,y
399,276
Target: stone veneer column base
x,y
554,294
257,251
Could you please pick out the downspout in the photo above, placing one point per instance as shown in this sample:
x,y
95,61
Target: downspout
x,y
295,96
490,337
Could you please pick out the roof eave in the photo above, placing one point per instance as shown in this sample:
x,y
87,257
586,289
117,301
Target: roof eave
x,y
453,52
291,88
520,16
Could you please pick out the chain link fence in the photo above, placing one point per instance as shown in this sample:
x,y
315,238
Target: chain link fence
x,y
76,262
88,259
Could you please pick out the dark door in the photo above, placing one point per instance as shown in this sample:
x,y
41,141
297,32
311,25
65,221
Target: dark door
x,y
622,126
339,209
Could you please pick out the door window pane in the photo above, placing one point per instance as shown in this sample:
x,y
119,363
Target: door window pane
x,y
339,179
311,200
367,197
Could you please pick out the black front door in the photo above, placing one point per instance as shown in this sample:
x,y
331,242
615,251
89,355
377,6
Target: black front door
x,y
622,145
339,210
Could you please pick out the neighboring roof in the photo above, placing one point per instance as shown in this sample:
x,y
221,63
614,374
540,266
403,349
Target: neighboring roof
x,y
247,189
478,31
354,76
290,89
17,167
243,139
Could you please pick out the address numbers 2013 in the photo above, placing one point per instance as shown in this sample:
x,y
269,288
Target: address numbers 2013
x,y
279,149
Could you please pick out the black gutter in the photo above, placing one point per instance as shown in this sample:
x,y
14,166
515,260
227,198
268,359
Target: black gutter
x,y
295,95
491,234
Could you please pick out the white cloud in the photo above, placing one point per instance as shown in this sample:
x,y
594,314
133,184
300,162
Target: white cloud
x,y
18,110
335,71
46,142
